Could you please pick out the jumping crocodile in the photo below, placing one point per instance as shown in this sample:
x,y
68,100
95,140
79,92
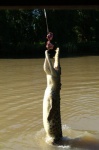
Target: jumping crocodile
x,y
51,101
52,113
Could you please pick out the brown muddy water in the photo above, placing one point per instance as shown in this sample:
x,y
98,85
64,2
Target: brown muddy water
x,y
22,85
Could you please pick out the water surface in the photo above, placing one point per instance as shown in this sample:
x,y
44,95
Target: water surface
x,y
22,85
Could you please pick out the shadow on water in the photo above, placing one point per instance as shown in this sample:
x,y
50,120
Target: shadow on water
x,y
85,141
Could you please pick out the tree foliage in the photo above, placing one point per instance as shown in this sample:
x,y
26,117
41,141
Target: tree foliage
x,y
25,30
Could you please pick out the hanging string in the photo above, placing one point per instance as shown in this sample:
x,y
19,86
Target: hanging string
x,y
49,45
46,21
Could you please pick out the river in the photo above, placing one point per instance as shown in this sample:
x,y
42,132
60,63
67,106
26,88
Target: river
x,y
22,86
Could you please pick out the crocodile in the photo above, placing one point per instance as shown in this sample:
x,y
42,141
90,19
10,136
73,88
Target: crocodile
x,y
51,101
52,113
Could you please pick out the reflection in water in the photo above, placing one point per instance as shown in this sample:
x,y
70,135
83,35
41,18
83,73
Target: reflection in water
x,y
22,86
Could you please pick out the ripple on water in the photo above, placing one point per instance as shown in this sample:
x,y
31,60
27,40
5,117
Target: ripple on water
x,y
22,85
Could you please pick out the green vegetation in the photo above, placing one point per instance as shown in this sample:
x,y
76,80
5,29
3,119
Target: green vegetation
x,y
23,32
